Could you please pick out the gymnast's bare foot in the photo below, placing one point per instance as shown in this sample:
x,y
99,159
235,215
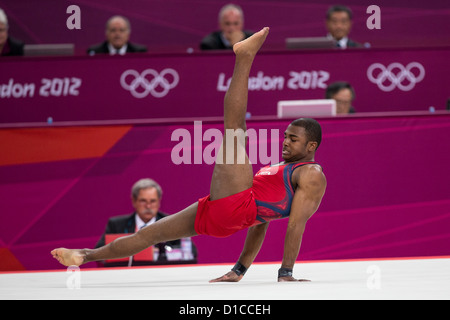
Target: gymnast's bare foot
x,y
69,257
250,46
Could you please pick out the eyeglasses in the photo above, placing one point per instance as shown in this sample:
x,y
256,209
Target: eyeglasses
x,y
342,21
119,30
144,202
344,102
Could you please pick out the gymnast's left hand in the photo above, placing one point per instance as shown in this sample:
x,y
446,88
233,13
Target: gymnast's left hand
x,y
229,277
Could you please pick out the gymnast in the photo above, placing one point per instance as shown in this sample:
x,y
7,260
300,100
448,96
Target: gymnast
x,y
238,200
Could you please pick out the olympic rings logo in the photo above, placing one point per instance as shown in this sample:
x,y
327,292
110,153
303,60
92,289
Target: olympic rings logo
x,y
396,75
149,82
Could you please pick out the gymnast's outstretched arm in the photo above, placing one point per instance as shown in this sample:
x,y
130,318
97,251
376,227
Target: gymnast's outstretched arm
x,y
253,242
311,187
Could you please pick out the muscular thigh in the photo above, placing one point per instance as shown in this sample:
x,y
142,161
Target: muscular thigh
x,y
233,171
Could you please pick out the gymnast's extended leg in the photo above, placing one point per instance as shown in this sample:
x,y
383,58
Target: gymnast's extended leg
x,y
228,178
173,227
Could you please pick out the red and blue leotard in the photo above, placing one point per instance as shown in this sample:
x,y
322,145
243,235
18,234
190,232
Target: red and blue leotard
x,y
269,198
273,191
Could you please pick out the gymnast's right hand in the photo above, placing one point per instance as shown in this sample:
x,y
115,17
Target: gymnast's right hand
x,y
69,257
229,277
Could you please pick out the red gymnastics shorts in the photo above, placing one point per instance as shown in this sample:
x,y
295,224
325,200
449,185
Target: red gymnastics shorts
x,y
222,217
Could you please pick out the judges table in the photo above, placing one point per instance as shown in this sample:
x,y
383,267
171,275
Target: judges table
x,y
158,86
158,254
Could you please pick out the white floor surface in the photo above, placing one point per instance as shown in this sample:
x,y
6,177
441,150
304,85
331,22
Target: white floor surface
x,y
420,279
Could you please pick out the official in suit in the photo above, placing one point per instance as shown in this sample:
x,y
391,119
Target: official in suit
x,y
118,30
231,25
146,197
8,45
339,24
344,94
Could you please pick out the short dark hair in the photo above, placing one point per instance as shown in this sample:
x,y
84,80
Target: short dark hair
x,y
339,8
337,86
312,128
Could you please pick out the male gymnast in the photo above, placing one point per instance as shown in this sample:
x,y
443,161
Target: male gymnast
x,y
238,200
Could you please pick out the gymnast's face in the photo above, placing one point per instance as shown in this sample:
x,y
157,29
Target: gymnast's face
x,y
147,204
296,146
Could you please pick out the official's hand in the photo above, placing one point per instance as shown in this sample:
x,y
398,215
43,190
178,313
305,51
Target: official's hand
x,y
229,277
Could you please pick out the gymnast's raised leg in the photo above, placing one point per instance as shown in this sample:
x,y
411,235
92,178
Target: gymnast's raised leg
x,y
234,173
229,177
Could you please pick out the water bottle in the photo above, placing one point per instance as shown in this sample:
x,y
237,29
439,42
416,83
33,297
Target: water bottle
x,y
186,248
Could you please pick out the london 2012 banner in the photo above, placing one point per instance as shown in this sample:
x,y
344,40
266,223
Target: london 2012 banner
x,y
149,86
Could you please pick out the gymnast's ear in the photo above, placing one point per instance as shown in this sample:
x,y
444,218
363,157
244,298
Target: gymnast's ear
x,y
312,146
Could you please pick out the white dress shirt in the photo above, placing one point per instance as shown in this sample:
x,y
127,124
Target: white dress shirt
x,y
140,224
113,51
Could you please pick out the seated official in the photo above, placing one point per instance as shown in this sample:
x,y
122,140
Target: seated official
x,y
8,45
344,94
118,30
231,25
146,197
339,24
